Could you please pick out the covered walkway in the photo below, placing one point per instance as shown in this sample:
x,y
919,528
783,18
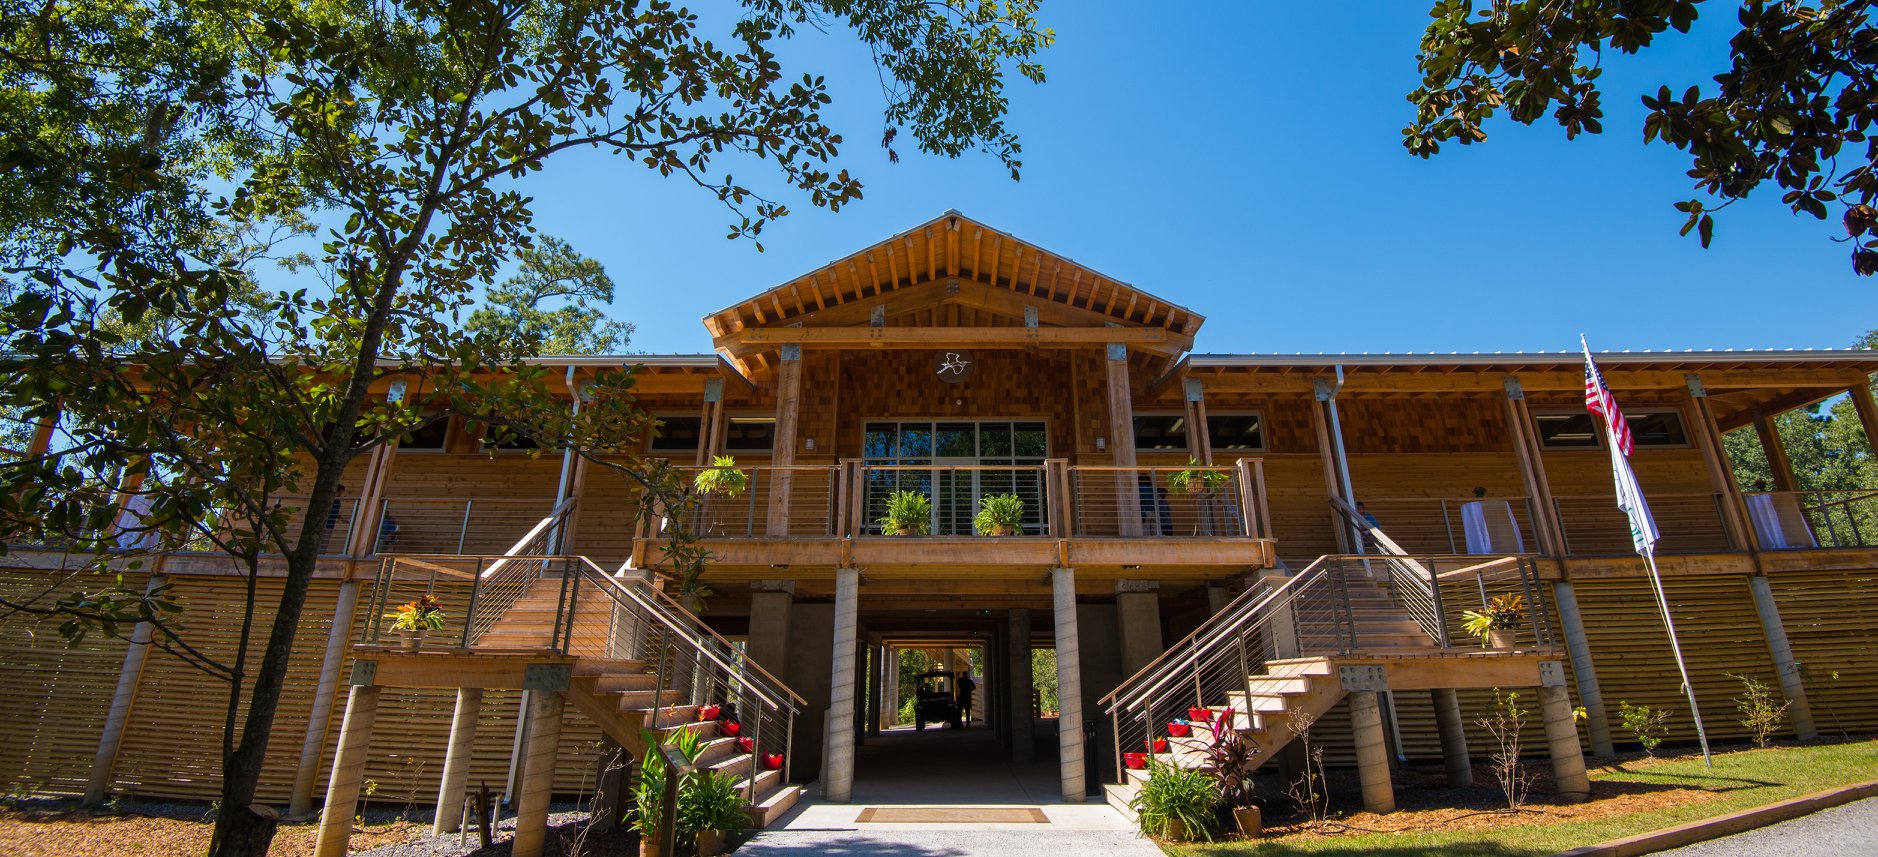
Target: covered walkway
x,y
965,778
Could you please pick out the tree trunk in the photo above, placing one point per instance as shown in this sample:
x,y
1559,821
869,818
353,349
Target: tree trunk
x,y
247,830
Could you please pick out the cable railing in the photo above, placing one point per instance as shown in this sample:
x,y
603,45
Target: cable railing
x,y
1456,525
453,525
1164,502
1689,524
1798,520
953,494
767,500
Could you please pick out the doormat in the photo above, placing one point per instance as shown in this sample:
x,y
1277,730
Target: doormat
x,y
952,815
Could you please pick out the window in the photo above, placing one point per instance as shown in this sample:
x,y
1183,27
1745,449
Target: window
x,y
1580,430
1160,432
507,441
749,434
1235,431
677,434
427,438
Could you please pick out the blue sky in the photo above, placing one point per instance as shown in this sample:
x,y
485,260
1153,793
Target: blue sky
x,y
1245,160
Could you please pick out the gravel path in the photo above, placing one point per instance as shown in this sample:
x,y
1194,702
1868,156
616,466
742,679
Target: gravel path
x,y
1842,831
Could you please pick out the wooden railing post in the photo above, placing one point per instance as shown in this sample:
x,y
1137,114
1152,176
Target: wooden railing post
x,y
1055,496
1247,499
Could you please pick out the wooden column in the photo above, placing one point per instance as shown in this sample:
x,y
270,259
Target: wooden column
x,y
544,744
576,490
1453,731
1867,413
1568,758
104,762
1721,472
710,426
1122,440
456,761
41,442
1372,756
1199,440
338,635
1525,439
342,791
1068,687
364,538
1777,460
788,415
838,770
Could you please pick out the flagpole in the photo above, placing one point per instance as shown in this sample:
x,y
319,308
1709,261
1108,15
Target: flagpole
x,y
1662,603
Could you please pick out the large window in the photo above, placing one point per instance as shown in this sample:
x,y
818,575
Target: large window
x,y
677,434
750,434
1168,432
1022,446
427,438
1579,430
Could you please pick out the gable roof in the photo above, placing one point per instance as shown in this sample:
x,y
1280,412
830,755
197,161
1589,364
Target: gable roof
x,y
951,260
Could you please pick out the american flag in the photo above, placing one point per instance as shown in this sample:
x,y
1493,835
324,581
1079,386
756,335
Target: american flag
x,y
1600,401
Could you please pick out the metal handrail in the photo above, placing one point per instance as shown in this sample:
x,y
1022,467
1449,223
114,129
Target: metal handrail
x,y
661,606
1246,613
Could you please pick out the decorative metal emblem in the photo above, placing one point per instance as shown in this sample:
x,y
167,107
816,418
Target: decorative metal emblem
x,y
953,367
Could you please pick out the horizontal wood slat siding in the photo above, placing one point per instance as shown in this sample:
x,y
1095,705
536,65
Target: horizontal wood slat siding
x,y
53,699
1831,619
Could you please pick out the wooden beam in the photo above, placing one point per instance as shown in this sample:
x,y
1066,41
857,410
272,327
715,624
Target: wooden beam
x,y
1701,430
1867,413
1776,450
926,337
1360,379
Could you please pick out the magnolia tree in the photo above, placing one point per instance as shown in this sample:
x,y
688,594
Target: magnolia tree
x,y
135,132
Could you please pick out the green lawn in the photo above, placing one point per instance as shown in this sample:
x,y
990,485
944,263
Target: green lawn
x,y
1745,779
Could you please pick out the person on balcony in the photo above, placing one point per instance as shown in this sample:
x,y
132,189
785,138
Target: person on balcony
x,y
387,534
332,518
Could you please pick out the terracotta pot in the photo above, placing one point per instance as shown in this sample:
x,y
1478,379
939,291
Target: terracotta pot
x,y
1179,730
1176,830
709,712
1003,530
1251,821
772,761
1502,638
1196,485
1135,761
745,745
710,843
411,641
730,727
649,846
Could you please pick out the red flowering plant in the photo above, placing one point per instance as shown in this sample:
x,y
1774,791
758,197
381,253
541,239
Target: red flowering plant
x,y
424,614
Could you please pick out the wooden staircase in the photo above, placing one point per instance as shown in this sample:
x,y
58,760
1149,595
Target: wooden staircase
x,y
621,695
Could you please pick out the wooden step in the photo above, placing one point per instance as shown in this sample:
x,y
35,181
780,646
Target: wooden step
x,y
773,805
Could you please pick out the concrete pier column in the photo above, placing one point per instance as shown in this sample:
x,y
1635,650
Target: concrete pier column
x,y
1023,724
1453,737
104,762
342,789
771,602
1216,599
1568,759
877,687
838,767
338,636
1776,632
1579,648
544,743
1138,611
456,761
1372,757
890,690
1068,686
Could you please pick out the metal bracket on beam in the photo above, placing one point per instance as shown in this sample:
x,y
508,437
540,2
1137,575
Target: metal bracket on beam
x,y
1321,388
364,673
1030,316
395,394
1196,391
1118,351
1514,392
1131,585
547,676
877,317
1695,385
1368,677
713,389
1551,674
791,351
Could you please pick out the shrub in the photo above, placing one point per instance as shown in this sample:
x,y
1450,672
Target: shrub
x,y
710,801
1650,726
1758,711
1505,723
1175,794
909,513
999,515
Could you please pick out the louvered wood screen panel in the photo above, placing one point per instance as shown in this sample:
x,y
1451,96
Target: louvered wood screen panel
x,y
1720,634
53,699
1831,619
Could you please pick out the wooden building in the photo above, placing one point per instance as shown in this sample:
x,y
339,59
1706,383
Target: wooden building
x,y
1160,489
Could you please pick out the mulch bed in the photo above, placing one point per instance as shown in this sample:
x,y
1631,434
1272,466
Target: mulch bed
x,y
55,829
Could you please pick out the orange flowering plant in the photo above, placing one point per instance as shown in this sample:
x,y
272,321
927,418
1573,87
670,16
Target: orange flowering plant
x,y
424,614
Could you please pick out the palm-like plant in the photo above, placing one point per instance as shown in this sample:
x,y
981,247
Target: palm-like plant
x,y
999,515
1176,802
722,477
909,513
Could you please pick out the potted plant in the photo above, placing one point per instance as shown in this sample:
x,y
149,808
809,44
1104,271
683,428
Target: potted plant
x,y
417,618
999,515
1158,745
909,513
772,761
1179,728
730,727
1231,762
1197,481
649,789
1200,715
710,810
722,478
1175,803
1496,623
709,712
1135,761
746,745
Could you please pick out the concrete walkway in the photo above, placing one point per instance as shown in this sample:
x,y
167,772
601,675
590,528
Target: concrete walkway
x,y
944,767
1842,831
